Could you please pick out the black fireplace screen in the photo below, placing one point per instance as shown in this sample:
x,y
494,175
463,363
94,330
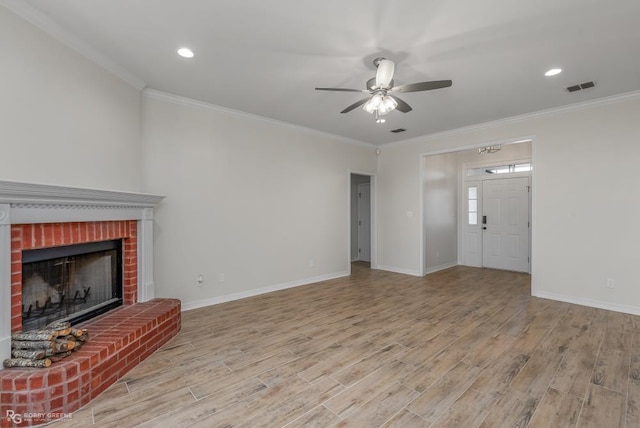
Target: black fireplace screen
x,y
73,283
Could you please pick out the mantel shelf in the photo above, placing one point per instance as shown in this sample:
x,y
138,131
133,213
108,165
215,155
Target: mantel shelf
x,y
13,192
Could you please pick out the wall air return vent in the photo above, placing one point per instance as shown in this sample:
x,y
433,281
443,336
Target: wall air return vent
x,y
398,130
585,85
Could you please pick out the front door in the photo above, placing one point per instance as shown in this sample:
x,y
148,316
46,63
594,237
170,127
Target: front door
x,y
505,224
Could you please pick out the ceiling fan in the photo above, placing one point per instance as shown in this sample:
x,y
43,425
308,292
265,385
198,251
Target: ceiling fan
x,y
381,101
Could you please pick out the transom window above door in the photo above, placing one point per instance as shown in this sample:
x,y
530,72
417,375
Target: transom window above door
x,y
500,169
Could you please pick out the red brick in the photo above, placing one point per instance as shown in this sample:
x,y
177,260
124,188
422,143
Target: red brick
x,y
72,370
21,397
16,244
7,379
20,384
72,396
76,233
27,235
57,391
58,238
47,236
16,256
91,231
85,398
6,398
16,300
38,395
36,381
68,233
85,383
74,385
57,404
82,232
98,389
16,324
55,377
16,232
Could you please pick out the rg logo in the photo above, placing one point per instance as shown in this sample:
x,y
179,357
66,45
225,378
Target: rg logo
x,y
14,417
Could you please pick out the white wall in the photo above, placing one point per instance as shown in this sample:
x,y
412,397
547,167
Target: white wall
x,y
63,119
586,209
256,201
440,211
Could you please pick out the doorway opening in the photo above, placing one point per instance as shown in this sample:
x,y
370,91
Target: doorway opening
x,y
477,208
361,220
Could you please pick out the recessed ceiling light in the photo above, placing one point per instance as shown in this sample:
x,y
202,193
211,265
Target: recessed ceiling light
x,y
185,52
553,72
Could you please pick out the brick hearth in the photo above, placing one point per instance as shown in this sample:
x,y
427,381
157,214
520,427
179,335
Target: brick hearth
x,y
119,340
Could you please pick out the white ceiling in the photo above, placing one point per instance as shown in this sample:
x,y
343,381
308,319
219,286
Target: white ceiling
x,y
265,57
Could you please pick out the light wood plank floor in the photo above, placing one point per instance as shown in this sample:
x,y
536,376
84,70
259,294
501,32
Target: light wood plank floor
x,y
464,347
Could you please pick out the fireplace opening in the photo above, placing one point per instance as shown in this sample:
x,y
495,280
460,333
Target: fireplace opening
x,y
71,283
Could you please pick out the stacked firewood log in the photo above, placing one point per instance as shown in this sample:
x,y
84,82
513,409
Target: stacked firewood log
x,y
40,348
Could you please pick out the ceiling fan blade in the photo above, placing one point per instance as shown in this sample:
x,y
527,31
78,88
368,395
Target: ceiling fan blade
x,y
423,86
341,90
354,105
402,106
384,74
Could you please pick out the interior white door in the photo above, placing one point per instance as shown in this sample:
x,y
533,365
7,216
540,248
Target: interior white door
x,y
505,224
364,222
472,228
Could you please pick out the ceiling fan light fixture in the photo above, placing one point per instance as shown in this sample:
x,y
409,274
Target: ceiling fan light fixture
x,y
380,105
388,104
373,104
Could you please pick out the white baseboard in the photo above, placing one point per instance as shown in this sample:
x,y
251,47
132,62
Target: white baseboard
x,y
399,270
441,267
258,291
633,310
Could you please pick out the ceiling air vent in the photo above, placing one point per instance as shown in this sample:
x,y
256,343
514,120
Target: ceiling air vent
x,y
585,85
398,130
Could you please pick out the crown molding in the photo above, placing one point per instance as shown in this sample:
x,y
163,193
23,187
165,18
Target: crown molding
x,y
190,102
46,24
520,118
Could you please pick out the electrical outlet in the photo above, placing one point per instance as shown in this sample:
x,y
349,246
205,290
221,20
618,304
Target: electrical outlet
x,y
220,277
199,280
609,283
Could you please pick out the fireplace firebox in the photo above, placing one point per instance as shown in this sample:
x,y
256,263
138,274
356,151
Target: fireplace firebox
x,y
72,283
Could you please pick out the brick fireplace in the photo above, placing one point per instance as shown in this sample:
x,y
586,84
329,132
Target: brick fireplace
x,y
34,216
49,235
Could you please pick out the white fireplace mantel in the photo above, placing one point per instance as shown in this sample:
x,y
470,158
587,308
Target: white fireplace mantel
x,y
25,203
